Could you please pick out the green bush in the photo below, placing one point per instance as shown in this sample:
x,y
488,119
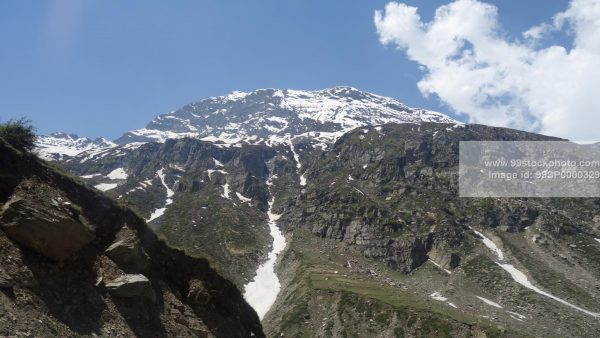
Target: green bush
x,y
18,133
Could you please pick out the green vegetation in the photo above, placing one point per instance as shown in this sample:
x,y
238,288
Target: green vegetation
x,y
18,133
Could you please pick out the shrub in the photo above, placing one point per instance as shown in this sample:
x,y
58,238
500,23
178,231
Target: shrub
x,y
18,133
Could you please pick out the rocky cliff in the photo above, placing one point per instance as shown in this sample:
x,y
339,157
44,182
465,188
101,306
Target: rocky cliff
x,y
76,263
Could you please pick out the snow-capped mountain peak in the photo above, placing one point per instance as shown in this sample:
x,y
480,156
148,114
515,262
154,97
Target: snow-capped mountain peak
x,y
57,146
263,116
275,116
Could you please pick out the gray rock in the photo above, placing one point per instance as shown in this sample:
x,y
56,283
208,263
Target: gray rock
x,y
132,286
6,282
54,232
128,255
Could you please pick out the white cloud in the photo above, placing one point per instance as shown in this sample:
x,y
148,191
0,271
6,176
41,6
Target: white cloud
x,y
472,66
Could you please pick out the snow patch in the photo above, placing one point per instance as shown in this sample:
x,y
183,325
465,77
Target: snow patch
x,y
489,302
226,191
262,292
105,186
518,315
159,212
438,296
298,164
117,174
211,171
218,163
242,197
520,278
491,245
90,175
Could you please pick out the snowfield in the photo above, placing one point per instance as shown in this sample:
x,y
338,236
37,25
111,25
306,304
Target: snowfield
x,y
263,290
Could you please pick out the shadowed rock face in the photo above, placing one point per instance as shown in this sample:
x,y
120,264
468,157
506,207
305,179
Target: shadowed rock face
x,y
48,216
56,232
132,286
129,255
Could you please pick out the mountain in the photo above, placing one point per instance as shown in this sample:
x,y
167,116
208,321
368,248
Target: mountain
x,y
264,116
224,128
359,196
272,116
59,146
76,263
380,244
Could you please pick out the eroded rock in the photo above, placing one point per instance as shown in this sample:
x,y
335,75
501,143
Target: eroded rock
x,y
132,286
55,232
129,255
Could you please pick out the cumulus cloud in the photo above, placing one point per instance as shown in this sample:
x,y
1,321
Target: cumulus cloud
x,y
526,82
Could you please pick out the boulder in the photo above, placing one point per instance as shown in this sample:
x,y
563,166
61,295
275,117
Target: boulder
x,y
6,282
198,294
132,286
129,255
55,232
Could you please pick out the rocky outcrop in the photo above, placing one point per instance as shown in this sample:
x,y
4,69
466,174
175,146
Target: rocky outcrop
x,y
5,280
129,255
47,214
132,286
55,231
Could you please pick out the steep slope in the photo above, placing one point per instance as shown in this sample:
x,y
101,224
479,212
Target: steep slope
x,y
378,241
177,186
210,201
395,235
75,263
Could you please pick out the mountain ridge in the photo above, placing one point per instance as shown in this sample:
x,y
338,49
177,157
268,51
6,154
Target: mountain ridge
x,y
263,116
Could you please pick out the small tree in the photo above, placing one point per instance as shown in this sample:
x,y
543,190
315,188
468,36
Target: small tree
x,y
19,133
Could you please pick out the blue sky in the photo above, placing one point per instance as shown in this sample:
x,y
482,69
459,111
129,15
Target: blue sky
x,y
102,67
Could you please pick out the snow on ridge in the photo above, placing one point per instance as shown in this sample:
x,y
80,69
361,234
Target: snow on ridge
x,y
57,146
597,239
273,117
254,117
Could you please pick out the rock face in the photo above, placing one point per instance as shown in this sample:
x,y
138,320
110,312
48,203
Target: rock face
x,y
132,286
129,255
46,214
5,280
56,233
